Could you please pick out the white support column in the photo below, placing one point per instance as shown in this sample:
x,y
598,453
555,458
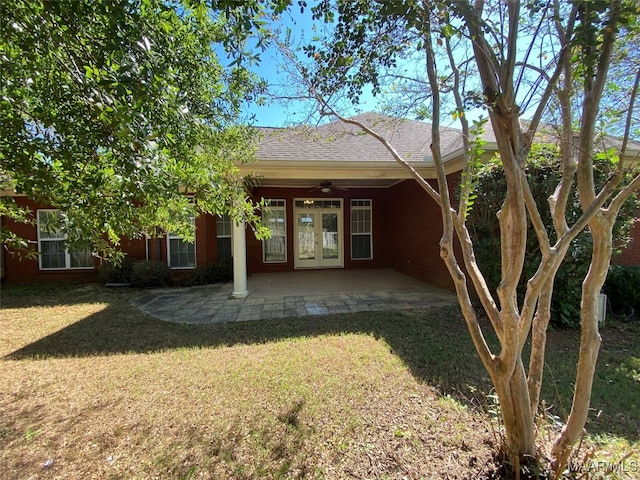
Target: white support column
x,y
239,261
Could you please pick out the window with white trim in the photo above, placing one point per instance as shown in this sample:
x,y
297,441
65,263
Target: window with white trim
x,y
180,253
224,227
361,231
52,245
274,249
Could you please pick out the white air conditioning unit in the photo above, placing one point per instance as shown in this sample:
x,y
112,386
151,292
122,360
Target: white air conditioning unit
x,y
602,309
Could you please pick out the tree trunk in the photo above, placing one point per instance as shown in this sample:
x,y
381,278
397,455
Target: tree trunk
x,y
539,343
513,394
601,232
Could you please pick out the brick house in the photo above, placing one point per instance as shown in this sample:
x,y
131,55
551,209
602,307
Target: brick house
x,y
337,200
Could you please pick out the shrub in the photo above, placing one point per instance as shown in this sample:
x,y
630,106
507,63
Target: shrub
x,y
149,273
623,290
116,273
214,273
544,174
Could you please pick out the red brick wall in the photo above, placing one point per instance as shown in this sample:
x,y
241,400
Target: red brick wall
x,y
381,232
417,228
27,271
206,240
407,228
631,255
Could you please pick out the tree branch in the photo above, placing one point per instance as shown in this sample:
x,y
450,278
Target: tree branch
x,y
508,68
623,195
563,58
394,153
593,96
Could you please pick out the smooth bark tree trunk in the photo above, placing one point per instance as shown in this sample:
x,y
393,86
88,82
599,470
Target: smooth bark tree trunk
x,y
513,393
590,340
519,394
538,344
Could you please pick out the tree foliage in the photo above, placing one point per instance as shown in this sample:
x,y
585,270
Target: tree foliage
x,y
112,111
544,172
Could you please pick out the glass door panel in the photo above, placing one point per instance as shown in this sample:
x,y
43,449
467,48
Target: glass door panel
x,y
306,223
330,238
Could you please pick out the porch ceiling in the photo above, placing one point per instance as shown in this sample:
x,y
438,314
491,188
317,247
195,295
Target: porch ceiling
x,y
336,182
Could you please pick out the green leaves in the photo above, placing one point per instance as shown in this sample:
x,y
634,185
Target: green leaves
x,y
543,171
469,180
108,107
368,37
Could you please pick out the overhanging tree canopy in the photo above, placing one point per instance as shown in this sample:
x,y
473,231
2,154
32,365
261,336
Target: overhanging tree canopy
x,y
111,111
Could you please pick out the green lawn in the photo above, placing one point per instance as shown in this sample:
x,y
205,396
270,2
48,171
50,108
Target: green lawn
x,y
92,388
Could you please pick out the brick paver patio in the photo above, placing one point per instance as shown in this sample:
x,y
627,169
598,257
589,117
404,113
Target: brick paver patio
x,y
213,303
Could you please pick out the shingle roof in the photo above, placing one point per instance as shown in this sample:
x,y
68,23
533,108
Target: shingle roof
x,y
338,141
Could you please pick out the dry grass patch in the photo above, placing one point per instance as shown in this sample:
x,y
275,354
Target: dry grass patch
x,y
91,388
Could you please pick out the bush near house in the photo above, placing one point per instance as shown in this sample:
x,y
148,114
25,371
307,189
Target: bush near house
x,y
138,273
623,290
147,273
214,273
544,173
150,273
116,273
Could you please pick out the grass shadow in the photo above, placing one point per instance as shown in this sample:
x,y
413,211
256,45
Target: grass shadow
x,y
434,343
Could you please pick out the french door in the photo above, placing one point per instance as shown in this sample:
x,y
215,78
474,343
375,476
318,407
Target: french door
x,y
318,234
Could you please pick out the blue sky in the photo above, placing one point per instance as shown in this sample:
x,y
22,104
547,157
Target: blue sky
x,y
272,114
278,114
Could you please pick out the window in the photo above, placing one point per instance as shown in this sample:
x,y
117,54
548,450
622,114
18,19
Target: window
x,y
223,231
318,203
52,244
361,236
275,248
181,254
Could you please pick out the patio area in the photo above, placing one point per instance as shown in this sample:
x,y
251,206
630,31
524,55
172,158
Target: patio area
x,y
294,294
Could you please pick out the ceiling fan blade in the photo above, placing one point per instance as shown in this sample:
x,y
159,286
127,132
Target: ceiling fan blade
x,y
327,187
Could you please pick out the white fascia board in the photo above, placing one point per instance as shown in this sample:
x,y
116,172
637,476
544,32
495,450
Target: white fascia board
x,y
292,169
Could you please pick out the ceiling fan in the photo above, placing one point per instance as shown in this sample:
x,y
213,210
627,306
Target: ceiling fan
x,y
326,187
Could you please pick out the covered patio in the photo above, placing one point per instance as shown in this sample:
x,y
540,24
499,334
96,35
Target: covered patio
x,y
338,199
295,294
